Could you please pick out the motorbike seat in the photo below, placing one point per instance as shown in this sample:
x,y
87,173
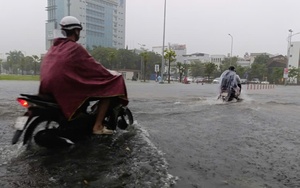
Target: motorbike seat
x,y
44,100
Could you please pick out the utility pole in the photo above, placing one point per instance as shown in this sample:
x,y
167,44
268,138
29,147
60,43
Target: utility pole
x,y
231,48
288,54
163,47
69,4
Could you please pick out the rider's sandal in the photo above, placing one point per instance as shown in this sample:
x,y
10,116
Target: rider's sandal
x,y
103,131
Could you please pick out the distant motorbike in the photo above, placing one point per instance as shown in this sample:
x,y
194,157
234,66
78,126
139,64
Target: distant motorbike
x,y
45,124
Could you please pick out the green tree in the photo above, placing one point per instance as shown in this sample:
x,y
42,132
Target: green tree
x,y
15,61
277,75
259,68
127,59
122,58
27,65
37,62
145,58
197,68
259,71
1,66
209,69
110,58
101,54
186,68
170,56
180,68
293,74
6,66
153,59
242,71
227,62
298,77
261,59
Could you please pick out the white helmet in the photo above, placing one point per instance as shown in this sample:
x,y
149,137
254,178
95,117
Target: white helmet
x,y
69,23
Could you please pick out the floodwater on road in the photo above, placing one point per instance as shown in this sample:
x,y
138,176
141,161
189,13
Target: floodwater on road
x,y
182,137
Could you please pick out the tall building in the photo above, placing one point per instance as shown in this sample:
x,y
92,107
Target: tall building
x,y
103,21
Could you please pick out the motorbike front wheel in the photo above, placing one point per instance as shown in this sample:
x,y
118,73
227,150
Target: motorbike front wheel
x,y
125,118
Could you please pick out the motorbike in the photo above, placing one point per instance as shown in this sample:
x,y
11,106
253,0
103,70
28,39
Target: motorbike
x,y
230,93
45,124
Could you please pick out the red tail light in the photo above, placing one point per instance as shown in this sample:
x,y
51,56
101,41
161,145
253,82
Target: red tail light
x,y
23,102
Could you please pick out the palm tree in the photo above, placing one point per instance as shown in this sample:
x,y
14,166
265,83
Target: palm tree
x,y
14,59
180,69
170,56
36,60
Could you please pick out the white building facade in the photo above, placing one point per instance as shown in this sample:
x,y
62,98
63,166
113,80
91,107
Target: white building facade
x,y
103,21
217,59
190,58
179,49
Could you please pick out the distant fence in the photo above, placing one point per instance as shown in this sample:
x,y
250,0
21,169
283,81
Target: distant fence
x,y
260,86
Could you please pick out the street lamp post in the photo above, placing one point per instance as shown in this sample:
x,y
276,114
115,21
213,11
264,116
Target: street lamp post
x,y
163,46
231,48
288,53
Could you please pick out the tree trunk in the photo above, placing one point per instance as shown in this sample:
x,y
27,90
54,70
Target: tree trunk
x,y
34,68
169,68
144,71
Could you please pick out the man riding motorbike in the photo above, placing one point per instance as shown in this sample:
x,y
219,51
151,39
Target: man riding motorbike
x,y
230,82
72,76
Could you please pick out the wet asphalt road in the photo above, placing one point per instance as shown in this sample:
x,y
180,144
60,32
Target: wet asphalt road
x,y
207,143
189,139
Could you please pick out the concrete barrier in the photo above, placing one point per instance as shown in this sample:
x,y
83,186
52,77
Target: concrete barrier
x,y
260,86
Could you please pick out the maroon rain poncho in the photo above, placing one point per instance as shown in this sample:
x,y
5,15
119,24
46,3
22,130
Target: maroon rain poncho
x,y
71,75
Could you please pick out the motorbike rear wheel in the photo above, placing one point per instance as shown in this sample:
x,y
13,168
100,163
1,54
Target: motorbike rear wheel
x,y
43,132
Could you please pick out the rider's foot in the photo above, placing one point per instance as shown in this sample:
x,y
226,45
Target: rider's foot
x,y
103,131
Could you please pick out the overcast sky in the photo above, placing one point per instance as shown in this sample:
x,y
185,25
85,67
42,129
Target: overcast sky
x,y
203,25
